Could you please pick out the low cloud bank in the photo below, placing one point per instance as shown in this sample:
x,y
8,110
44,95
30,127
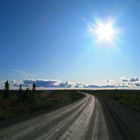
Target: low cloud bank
x,y
52,83
130,82
68,84
130,79
133,82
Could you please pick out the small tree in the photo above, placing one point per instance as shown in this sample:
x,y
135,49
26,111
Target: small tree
x,y
20,87
20,95
32,96
34,87
26,94
27,90
6,87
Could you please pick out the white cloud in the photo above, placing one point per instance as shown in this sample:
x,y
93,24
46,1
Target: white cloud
x,y
130,82
134,79
1,84
130,79
52,83
124,79
137,84
68,84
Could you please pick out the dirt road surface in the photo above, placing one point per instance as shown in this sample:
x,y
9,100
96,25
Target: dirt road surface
x,y
87,119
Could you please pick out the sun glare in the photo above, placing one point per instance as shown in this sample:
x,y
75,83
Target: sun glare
x,y
104,31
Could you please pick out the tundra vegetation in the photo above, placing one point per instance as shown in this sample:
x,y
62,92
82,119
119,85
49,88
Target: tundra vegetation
x,y
14,103
130,98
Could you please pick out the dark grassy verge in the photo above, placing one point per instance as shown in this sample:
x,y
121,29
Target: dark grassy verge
x,y
130,98
21,103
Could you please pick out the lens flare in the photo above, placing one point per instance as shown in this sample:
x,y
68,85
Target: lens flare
x,y
104,32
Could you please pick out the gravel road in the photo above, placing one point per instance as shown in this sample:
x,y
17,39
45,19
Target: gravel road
x,y
86,119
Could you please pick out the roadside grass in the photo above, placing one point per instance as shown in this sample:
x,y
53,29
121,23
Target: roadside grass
x,y
130,98
19,102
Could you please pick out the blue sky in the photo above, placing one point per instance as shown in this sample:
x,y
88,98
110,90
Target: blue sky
x,y
48,39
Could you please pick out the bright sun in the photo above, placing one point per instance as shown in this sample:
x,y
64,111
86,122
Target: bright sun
x,y
104,31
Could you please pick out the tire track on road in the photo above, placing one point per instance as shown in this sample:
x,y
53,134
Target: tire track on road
x,y
82,120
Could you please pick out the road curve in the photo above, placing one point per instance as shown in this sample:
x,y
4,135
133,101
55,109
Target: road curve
x,y
81,120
